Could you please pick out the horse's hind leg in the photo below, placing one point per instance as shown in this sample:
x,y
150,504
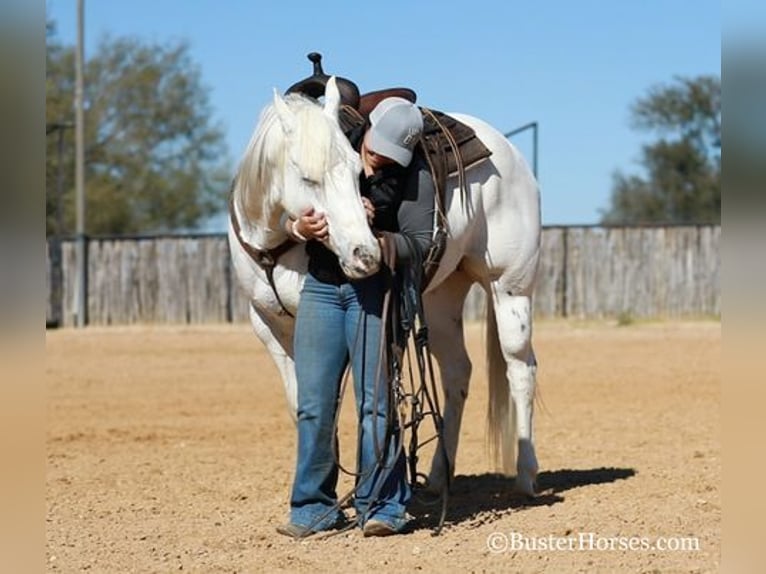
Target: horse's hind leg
x,y
444,313
514,323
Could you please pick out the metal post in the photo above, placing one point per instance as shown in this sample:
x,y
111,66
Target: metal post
x,y
534,150
82,271
534,127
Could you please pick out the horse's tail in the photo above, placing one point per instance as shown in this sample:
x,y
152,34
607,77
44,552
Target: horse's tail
x,y
501,414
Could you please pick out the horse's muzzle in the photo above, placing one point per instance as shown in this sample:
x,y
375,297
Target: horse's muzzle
x,y
363,263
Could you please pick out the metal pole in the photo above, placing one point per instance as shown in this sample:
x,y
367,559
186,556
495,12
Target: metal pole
x,y
534,150
82,284
534,127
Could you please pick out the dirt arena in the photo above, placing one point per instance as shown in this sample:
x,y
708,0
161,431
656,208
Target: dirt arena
x,y
170,449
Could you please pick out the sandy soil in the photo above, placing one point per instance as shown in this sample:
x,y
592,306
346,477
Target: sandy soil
x,y
171,449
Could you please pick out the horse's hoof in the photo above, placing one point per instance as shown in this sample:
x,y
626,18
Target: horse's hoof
x,y
437,482
526,485
434,486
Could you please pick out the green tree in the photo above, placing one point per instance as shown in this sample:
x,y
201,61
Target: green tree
x,y
155,160
683,168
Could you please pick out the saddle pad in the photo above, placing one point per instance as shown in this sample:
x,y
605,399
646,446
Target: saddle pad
x,y
470,147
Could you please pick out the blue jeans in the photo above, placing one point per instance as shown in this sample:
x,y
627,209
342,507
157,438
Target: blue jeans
x,y
335,322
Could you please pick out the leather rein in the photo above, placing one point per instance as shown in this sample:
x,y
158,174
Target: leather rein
x,y
266,259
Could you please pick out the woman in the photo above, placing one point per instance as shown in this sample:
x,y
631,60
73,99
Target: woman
x,y
339,320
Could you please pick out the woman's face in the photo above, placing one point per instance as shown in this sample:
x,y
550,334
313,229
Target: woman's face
x,y
374,160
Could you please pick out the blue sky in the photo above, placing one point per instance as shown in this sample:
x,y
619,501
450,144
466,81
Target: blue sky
x,y
574,67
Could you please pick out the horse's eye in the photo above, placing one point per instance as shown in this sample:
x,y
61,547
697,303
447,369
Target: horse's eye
x,y
309,181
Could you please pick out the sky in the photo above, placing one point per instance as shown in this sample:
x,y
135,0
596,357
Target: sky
x,y
575,68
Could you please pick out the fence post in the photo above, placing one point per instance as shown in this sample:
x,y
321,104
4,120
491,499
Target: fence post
x,y
565,272
228,282
56,278
81,308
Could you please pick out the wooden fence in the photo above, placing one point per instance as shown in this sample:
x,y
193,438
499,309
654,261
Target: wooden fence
x,y
585,272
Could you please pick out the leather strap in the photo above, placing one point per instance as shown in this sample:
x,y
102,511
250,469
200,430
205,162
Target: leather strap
x,y
266,259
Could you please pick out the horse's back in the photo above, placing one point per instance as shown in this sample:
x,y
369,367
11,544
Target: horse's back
x,y
517,184
496,235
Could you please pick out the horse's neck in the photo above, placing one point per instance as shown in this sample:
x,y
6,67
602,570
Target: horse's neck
x,y
266,232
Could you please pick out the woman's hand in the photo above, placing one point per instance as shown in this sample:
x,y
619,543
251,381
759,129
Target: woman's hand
x,y
311,225
369,209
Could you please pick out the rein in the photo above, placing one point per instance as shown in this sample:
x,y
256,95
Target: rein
x,y
266,259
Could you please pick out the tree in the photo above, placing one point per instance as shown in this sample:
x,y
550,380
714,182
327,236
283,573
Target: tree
x,y
683,168
155,161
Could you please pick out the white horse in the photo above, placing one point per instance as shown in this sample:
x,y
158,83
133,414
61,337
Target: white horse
x,y
299,157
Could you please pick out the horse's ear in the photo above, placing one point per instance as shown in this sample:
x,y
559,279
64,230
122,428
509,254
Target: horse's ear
x,y
331,99
284,113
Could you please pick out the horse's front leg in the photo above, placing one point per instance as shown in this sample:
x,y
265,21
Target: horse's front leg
x,y
277,335
514,322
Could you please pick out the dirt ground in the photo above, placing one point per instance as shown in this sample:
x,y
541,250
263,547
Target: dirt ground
x,y
171,448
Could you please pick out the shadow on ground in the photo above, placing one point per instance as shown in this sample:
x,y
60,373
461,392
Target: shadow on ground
x,y
482,498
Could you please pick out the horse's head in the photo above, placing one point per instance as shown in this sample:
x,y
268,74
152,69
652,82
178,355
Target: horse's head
x,y
321,170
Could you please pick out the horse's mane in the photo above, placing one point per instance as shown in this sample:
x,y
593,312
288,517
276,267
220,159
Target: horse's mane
x,y
264,160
